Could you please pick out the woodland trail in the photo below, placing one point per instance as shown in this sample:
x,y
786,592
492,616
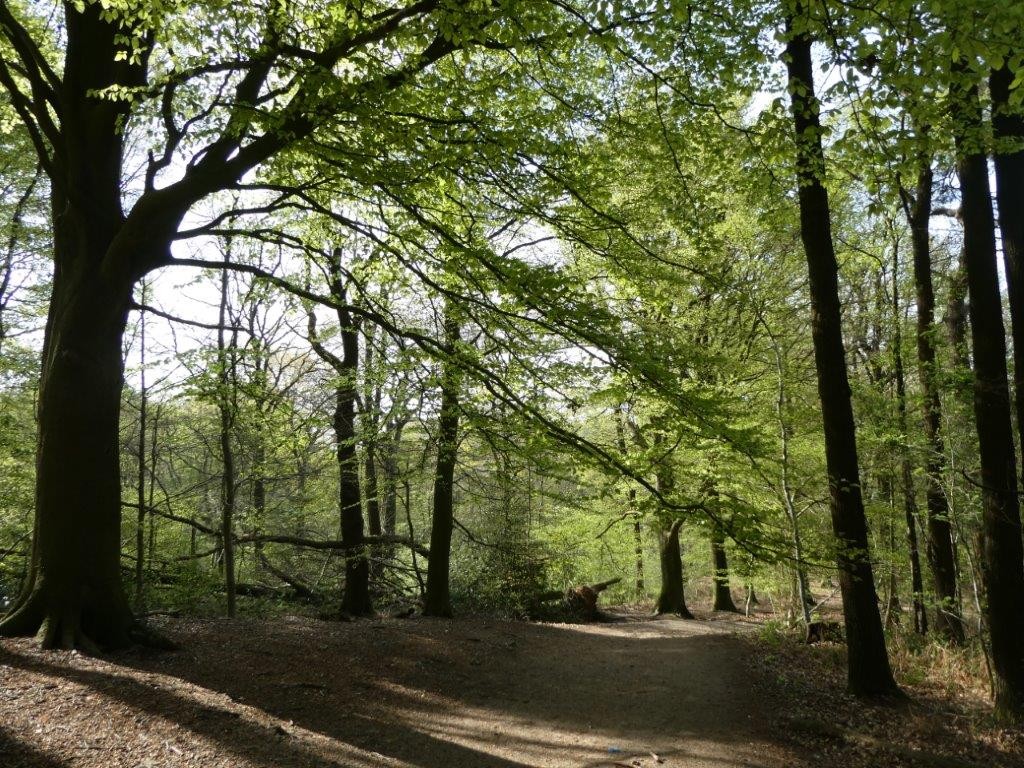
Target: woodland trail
x,y
402,693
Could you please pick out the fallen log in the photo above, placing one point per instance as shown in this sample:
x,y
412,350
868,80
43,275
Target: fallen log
x,y
580,601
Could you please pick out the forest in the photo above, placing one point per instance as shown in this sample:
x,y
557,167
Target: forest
x,y
511,383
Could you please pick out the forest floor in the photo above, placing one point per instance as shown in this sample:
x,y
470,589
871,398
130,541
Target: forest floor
x,y
480,693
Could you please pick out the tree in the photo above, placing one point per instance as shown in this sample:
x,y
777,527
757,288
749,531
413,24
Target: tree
x,y
356,598
437,600
1002,549
117,63
868,662
941,557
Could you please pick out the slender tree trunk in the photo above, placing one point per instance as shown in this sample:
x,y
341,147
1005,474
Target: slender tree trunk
x,y
868,662
638,548
638,541
373,518
437,601
140,487
893,608
13,238
1002,554
803,590
720,576
259,501
369,422
390,466
355,599
956,325
941,556
226,406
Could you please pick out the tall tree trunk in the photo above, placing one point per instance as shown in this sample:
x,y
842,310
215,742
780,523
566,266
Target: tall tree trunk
x,y
140,486
373,519
259,500
940,532
941,555
74,593
638,549
355,599
226,405
1003,550
437,601
956,327
720,576
1008,131
369,423
868,662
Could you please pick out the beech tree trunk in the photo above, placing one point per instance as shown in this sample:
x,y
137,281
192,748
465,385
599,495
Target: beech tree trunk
x,y
1002,555
140,486
671,598
226,405
74,594
437,600
720,576
941,553
1008,131
355,600
868,662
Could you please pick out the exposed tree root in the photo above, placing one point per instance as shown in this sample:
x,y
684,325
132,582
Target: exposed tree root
x,y
78,628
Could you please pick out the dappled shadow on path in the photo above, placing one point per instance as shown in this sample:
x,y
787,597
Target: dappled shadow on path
x,y
420,694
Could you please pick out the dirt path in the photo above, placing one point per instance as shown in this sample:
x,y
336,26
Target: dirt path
x,y
401,693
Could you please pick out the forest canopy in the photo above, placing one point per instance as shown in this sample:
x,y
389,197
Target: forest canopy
x,y
349,307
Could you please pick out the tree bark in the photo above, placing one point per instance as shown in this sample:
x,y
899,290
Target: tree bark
x,y
868,662
226,405
671,598
355,599
437,600
720,576
1008,132
74,594
140,487
1003,550
389,465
